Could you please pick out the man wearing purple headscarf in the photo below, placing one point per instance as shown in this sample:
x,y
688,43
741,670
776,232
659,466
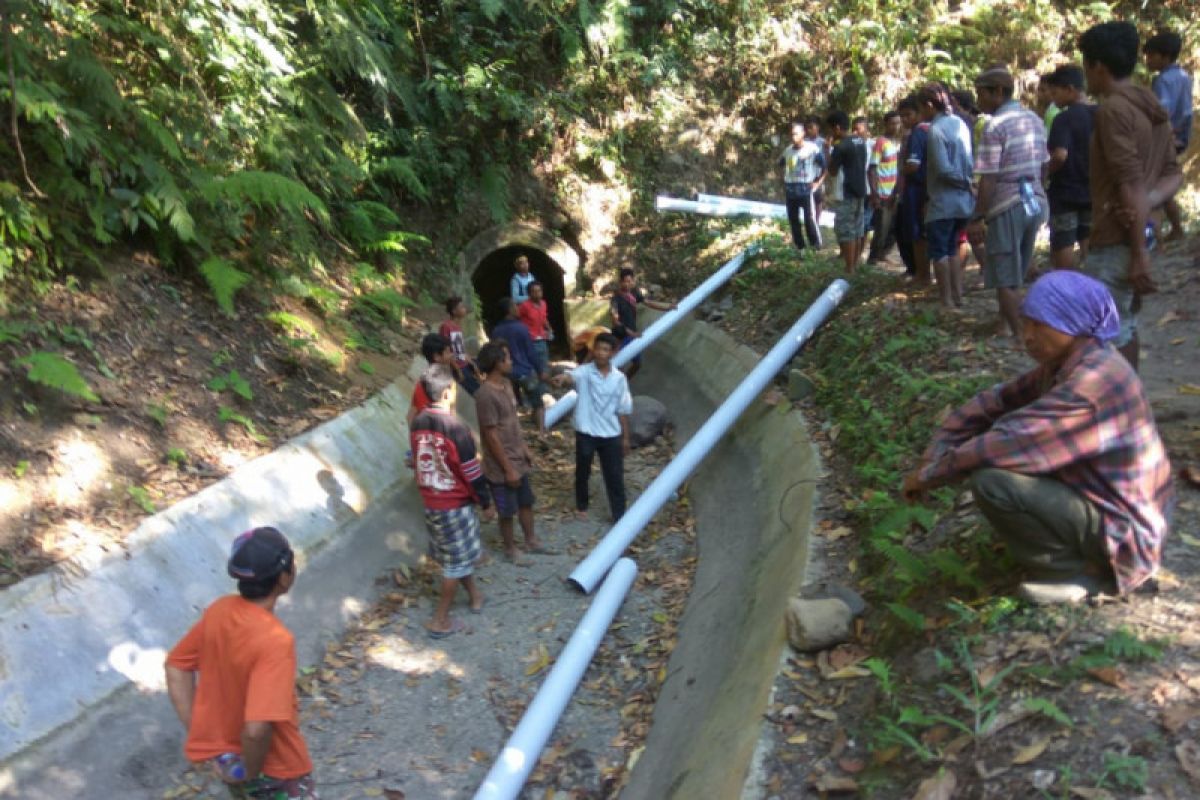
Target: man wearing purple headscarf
x,y
1065,461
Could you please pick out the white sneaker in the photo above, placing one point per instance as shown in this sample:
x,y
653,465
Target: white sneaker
x,y
1071,591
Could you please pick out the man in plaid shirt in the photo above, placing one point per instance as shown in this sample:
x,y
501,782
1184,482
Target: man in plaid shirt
x,y
1065,461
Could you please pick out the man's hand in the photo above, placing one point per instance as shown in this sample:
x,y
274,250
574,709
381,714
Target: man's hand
x,y
626,448
559,381
512,478
1139,272
914,489
488,514
874,200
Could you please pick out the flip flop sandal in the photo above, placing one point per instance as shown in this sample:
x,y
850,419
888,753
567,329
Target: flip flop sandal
x,y
456,626
479,610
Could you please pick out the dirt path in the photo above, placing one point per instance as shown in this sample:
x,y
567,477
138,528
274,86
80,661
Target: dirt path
x,y
995,700
391,712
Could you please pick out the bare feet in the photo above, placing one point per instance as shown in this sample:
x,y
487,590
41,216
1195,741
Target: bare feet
x,y
582,516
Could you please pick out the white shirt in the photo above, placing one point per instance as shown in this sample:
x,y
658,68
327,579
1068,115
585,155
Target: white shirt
x,y
602,399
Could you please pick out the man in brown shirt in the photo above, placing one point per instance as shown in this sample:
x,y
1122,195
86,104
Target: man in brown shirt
x,y
1133,168
506,458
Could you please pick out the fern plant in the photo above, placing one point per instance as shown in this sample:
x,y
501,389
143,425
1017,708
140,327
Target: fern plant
x,y
224,279
233,382
56,372
268,190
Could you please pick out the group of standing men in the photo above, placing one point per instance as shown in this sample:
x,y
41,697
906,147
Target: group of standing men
x,y
980,171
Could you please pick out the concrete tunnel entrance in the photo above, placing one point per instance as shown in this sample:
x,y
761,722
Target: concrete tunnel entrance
x,y
491,283
487,264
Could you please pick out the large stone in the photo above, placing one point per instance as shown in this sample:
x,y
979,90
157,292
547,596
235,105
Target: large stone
x,y
837,591
800,386
648,420
814,625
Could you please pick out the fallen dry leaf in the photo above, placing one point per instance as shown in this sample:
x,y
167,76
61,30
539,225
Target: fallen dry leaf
x,y
838,533
939,787
1091,794
852,765
1188,754
393,794
881,757
1110,675
834,784
1031,751
829,716
1189,388
1176,717
1170,316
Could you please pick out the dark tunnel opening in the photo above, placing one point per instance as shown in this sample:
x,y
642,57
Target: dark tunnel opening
x,y
491,281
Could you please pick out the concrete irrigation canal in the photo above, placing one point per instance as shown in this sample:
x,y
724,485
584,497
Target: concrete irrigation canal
x,y
397,714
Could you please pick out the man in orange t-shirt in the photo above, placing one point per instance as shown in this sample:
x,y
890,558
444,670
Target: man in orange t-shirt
x,y
242,716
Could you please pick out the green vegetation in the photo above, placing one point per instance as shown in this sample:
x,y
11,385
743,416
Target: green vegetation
x,y
254,141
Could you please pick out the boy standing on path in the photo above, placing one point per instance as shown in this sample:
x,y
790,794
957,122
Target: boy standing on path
x,y
1011,205
436,350
1132,155
949,181
518,286
601,425
624,314
507,461
243,717
812,132
533,315
848,160
526,371
882,173
451,482
910,217
1069,141
1173,87
451,330
803,171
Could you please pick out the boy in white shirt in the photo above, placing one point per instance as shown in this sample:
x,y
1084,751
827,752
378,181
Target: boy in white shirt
x,y
601,424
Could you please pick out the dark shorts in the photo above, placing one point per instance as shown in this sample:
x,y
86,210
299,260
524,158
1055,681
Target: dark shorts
x,y
531,387
508,499
942,235
541,351
1069,226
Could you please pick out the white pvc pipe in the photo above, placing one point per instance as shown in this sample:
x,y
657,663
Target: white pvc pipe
x,y
589,572
524,746
664,323
728,208
756,207
759,208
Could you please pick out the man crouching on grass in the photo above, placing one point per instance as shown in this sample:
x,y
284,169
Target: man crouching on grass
x,y
1065,461
451,482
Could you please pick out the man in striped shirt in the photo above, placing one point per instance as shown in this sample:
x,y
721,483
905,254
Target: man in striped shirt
x,y
882,173
1011,205
1065,461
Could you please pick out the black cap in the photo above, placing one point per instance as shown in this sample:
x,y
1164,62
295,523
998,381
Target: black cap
x,y
259,554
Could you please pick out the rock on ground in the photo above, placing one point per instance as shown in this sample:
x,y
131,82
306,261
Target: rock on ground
x,y
648,420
